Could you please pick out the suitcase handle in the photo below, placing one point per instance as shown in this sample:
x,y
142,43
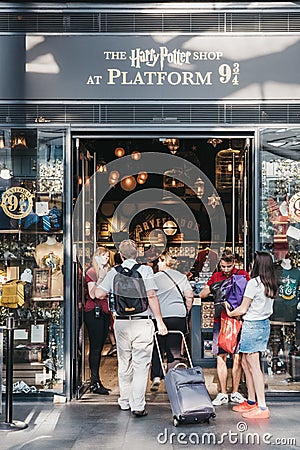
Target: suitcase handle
x,y
185,346
181,364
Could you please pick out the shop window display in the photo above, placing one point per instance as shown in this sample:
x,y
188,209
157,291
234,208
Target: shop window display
x,y
31,256
280,234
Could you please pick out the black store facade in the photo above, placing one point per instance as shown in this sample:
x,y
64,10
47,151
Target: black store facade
x,y
178,126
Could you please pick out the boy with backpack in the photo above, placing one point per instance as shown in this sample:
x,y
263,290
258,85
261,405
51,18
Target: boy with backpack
x,y
228,269
133,292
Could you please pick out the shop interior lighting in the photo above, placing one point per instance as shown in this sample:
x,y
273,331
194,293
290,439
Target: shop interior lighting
x,y
135,155
142,177
101,166
128,183
173,144
170,228
214,141
199,187
119,152
114,176
19,141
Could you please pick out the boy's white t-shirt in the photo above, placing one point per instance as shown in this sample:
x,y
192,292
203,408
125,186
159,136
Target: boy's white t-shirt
x,y
261,306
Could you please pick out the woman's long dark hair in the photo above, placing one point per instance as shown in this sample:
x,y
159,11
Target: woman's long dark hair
x,y
263,267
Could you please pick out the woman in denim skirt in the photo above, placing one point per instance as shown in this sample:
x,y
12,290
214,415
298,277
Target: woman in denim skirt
x,y
256,308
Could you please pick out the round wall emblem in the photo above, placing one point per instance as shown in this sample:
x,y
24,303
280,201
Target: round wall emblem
x,y
294,207
17,202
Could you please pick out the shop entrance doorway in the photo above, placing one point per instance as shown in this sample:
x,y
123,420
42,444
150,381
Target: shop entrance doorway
x,y
112,181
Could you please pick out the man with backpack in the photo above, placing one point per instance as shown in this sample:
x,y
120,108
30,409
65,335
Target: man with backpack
x,y
133,291
227,266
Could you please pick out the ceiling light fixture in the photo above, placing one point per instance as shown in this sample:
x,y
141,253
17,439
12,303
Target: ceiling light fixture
x,y
173,144
119,152
113,177
128,183
214,141
101,166
142,177
170,228
199,187
135,155
19,141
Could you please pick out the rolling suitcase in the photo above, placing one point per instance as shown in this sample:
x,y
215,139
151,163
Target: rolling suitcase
x,y
188,395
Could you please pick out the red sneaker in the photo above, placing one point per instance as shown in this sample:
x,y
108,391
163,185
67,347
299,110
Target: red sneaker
x,y
244,407
257,413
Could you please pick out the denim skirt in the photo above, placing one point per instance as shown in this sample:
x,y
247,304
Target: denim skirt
x,y
254,336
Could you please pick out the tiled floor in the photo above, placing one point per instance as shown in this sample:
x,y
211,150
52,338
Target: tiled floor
x,y
85,424
96,422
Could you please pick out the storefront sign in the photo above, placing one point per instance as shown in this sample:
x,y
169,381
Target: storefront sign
x,y
154,67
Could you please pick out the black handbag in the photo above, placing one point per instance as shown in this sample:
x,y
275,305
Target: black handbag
x,y
218,291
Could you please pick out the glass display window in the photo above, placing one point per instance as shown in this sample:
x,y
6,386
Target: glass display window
x,y
32,254
279,213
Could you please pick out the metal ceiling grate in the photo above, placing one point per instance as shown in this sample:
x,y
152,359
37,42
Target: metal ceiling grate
x,y
150,114
64,21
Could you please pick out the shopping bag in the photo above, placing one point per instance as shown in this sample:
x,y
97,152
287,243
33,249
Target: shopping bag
x,y
12,294
229,332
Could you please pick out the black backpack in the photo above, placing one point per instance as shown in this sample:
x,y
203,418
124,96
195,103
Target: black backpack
x,y
130,296
218,290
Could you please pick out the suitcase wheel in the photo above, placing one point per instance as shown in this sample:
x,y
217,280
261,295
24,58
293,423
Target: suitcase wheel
x,y
175,421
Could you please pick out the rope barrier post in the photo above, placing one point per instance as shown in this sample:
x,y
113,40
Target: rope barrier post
x,y
10,424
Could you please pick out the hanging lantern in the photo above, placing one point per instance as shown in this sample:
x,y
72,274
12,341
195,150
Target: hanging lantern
x,y
214,141
101,166
142,177
199,187
135,155
113,177
19,141
171,179
170,228
173,144
119,152
128,183
224,168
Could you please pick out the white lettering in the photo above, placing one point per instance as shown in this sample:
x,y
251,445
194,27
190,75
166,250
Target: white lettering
x,y
138,56
204,56
115,55
94,79
90,80
112,74
176,76
181,438
162,438
176,56
206,80
158,78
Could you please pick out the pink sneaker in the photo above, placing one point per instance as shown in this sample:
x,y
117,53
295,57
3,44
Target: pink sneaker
x,y
257,413
244,407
